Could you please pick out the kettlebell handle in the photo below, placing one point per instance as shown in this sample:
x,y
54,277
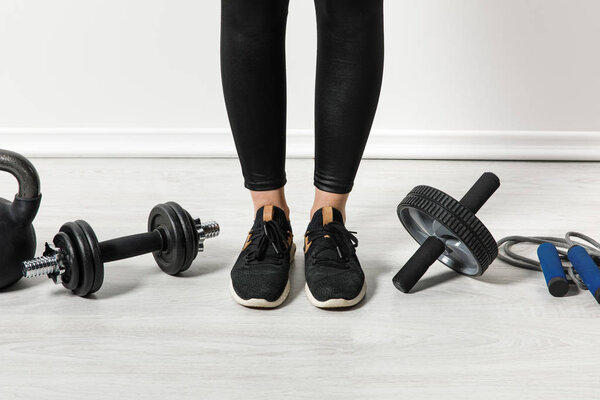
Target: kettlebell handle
x,y
22,169
17,235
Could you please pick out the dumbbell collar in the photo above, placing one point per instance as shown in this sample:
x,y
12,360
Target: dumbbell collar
x,y
52,263
207,230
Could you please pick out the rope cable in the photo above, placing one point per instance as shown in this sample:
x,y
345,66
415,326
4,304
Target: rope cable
x,y
506,253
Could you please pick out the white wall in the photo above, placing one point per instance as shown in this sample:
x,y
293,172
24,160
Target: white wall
x,y
136,66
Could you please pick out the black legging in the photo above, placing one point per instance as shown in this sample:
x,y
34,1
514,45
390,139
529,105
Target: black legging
x,y
349,74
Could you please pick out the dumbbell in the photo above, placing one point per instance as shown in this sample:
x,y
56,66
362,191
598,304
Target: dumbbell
x,y
447,230
77,258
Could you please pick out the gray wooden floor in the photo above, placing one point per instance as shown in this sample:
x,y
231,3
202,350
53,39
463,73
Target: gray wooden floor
x,y
152,336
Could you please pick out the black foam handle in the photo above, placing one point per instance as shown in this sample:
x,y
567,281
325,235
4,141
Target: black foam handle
x,y
481,191
419,263
130,246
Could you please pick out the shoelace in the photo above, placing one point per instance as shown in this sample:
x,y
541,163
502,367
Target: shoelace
x,y
269,234
344,240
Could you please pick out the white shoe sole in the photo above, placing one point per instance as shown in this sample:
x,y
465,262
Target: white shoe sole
x,y
262,303
336,303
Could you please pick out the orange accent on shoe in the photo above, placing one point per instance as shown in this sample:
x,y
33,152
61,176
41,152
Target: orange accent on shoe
x,y
268,213
248,241
306,244
327,215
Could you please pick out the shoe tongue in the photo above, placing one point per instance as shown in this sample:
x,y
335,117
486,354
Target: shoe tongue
x,y
271,213
321,218
324,216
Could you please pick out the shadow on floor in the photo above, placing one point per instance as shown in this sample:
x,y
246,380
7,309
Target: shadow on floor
x,y
435,280
201,268
114,289
573,291
297,279
24,284
498,276
108,290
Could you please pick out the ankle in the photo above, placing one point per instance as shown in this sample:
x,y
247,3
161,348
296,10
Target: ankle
x,y
283,206
316,208
327,199
270,198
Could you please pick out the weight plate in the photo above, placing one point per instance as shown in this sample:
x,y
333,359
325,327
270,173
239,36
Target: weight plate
x,y
172,258
470,247
70,278
95,250
190,234
84,258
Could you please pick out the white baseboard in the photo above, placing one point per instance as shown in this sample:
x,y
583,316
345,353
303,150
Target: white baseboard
x,y
207,143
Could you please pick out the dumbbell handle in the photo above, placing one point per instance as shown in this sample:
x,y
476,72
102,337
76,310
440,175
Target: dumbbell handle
x,y
481,192
431,249
131,246
110,250
149,242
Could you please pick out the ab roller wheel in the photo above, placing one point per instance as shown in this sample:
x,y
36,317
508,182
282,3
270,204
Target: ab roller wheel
x,y
447,230
77,258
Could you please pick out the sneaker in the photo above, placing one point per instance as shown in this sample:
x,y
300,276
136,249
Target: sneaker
x,y
260,276
334,278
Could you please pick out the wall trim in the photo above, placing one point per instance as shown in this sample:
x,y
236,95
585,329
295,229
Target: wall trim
x,y
383,144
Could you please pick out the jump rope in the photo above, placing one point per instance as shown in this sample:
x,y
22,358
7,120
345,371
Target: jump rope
x,y
563,261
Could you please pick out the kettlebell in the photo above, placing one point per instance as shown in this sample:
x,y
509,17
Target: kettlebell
x,y
17,236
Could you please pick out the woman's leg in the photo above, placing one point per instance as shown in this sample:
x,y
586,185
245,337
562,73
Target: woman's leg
x,y
349,75
254,85
261,198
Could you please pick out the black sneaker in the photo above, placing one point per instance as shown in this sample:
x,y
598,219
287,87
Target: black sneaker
x,y
334,278
260,276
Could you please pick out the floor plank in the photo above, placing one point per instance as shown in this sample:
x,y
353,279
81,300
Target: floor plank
x,y
152,336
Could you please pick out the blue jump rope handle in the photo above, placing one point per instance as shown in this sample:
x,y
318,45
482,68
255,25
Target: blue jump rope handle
x,y
558,286
587,269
